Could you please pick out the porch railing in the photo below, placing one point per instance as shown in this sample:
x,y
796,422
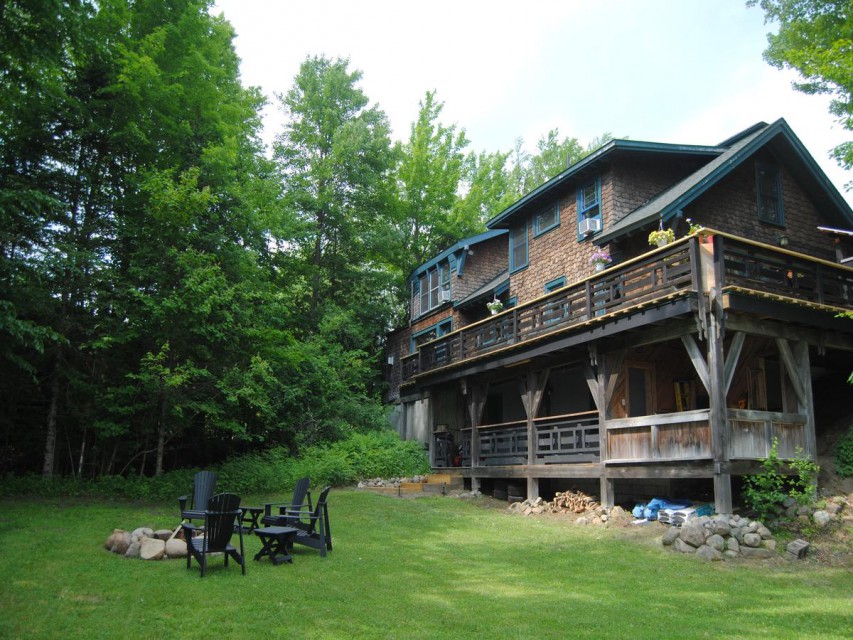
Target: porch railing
x,y
660,274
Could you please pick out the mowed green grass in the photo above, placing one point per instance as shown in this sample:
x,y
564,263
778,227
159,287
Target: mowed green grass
x,y
425,568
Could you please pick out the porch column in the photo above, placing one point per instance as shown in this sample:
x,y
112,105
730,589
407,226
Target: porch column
x,y
717,400
601,374
476,402
532,391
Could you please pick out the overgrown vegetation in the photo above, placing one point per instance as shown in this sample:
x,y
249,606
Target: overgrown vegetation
x,y
765,492
844,455
339,463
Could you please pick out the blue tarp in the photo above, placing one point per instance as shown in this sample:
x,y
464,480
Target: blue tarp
x,y
650,511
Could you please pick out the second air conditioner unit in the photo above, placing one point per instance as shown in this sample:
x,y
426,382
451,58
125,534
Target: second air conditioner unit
x,y
588,226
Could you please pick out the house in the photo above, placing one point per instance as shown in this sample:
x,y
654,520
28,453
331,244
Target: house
x,y
671,370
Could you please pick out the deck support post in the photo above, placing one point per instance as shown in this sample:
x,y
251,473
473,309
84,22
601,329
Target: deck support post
x,y
717,398
606,489
532,392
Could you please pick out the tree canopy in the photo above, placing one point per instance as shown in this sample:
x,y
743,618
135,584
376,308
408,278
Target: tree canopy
x,y
169,295
815,38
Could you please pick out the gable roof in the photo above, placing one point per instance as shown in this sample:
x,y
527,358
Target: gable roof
x,y
590,165
784,144
462,244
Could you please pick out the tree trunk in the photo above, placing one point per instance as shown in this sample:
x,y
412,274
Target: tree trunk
x,y
50,440
161,435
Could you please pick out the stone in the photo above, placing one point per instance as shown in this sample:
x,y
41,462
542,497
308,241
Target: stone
x,y
163,534
751,540
670,536
721,528
821,518
769,544
729,553
132,550
732,545
716,542
709,554
789,502
583,520
737,534
693,533
804,511
118,542
176,548
833,508
682,547
752,527
142,532
798,548
152,549
764,532
756,552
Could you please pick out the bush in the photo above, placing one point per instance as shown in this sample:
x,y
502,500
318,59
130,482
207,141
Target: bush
x,y
766,491
361,455
844,455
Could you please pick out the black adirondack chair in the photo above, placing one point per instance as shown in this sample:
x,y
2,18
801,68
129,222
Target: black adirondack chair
x,y
282,515
204,485
313,530
222,515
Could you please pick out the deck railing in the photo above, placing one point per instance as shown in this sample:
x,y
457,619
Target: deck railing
x,y
559,440
660,274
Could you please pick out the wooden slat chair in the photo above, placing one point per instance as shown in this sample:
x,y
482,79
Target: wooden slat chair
x,y
221,520
315,532
204,485
288,512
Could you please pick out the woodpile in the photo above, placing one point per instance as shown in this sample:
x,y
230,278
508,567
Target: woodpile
x,y
574,501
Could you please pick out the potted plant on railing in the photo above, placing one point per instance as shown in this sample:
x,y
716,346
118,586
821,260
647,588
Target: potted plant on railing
x,y
661,237
495,306
599,259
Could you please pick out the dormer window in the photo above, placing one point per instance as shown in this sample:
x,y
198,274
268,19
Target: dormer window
x,y
589,209
434,288
768,186
518,254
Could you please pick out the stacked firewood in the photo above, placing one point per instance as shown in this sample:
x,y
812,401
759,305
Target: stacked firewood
x,y
574,501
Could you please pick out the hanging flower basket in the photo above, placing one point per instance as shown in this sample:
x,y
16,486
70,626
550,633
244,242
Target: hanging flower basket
x,y
661,237
495,306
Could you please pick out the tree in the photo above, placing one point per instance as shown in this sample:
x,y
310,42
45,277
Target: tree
x,y
815,38
334,156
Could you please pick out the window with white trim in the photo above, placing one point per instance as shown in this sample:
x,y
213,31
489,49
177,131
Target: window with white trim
x,y
589,205
432,282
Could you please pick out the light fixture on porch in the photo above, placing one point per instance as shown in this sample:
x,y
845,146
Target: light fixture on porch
x,y
782,240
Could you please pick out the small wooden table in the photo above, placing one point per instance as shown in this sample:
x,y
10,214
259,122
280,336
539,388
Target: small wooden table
x,y
276,543
250,517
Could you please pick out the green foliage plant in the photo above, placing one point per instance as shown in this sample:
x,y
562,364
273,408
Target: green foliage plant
x,y
844,455
766,491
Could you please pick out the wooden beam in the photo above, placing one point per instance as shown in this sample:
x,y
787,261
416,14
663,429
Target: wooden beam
x,y
801,358
732,359
794,374
698,360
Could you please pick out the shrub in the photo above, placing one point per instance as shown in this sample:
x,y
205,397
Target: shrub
x,y
361,455
766,491
844,455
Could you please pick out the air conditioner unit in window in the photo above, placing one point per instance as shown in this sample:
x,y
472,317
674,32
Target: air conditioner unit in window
x,y
444,295
588,226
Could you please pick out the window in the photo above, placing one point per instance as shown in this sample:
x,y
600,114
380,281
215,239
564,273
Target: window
x,y
768,185
518,247
431,333
547,219
589,205
429,286
555,284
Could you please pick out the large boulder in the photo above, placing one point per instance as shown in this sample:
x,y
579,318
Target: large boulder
x,y
152,549
118,542
176,548
707,553
693,533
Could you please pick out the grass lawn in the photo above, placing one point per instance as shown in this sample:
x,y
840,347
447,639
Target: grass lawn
x,y
425,568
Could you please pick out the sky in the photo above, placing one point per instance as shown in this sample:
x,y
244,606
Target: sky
x,y
677,71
